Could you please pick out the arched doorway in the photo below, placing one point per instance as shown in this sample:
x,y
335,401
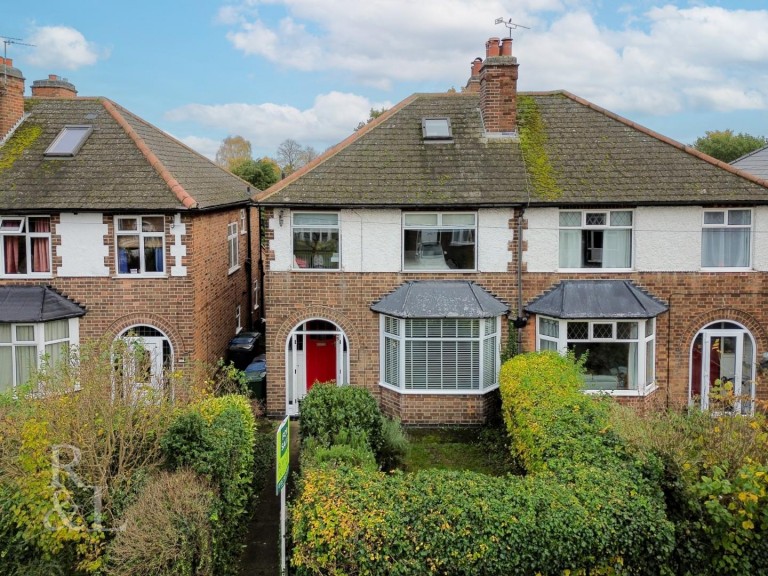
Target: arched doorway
x,y
723,358
147,360
317,350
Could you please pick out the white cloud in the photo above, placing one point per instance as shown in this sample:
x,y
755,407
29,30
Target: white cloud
x,y
332,117
205,146
63,47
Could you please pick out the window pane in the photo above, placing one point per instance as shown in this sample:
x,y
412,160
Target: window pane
x,y
458,219
41,262
724,247
56,330
26,363
392,361
714,217
55,353
570,248
11,225
739,217
5,333
626,330
547,345
621,218
609,365
318,218
596,219
316,248
15,253
602,331
436,128
128,261
650,362
25,333
153,254
549,327
420,219
649,327
127,224
152,224
489,362
392,325
578,331
570,218
6,368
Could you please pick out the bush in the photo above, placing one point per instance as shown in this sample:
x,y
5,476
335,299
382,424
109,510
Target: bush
x,y
328,409
349,521
167,531
394,445
216,439
350,450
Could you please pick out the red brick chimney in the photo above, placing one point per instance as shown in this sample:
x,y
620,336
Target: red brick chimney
x,y
54,87
473,84
11,97
498,87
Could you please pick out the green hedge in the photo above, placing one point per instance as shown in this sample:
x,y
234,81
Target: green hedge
x,y
215,438
352,521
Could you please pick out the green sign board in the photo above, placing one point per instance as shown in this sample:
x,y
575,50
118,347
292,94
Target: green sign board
x,y
283,442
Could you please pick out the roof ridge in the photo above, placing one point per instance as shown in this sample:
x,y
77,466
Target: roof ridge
x,y
332,151
666,139
183,196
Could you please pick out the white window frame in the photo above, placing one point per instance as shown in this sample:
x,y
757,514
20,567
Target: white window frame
x,y
243,221
23,230
323,229
646,335
141,272
238,320
726,226
461,235
38,341
485,367
233,247
583,227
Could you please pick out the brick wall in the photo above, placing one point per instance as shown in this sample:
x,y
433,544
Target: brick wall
x,y
11,97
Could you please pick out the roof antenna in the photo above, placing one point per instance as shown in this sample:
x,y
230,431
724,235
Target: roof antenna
x,y
6,41
510,25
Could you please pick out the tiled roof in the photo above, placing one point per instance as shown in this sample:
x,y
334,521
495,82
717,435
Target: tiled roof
x,y
125,164
755,163
592,155
35,304
440,299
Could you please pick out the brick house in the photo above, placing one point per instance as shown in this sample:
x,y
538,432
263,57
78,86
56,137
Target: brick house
x,y
406,258
110,227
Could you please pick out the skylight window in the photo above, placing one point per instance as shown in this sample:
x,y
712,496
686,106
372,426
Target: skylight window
x,y
69,141
436,128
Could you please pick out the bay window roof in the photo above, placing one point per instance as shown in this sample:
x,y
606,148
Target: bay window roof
x,y
440,299
596,299
35,304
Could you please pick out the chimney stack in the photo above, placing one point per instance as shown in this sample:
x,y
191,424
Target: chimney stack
x,y
11,97
473,84
498,87
53,87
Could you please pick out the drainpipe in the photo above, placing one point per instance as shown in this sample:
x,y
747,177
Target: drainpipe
x,y
248,262
521,321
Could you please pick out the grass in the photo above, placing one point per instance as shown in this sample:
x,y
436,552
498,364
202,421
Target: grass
x,y
475,449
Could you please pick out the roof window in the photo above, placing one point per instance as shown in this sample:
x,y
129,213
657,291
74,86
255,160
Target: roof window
x,y
436,128
69,141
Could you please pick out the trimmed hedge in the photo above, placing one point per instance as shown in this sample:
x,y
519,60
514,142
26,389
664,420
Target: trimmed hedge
x,y
215,438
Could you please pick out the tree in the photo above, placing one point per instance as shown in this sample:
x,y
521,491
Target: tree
x,y
291,155
233,149
261,173
727,146
373,114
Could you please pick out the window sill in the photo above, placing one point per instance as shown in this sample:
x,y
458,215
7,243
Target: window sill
x,y
233,270
439,392
594,270
438,271
303,270
726,269
144,276
25,276
624,393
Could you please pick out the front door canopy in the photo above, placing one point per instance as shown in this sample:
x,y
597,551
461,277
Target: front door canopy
x,y
440,299
596,299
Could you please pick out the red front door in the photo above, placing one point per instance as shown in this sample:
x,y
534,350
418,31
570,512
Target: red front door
x,y
320,358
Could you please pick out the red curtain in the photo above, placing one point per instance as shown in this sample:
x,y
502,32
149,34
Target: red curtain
x,y
11,251
40,259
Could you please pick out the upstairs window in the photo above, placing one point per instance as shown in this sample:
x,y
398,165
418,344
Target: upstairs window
x,y
725,239
439,241
233,249
436,128
315,240
69,141
140,244
26,246
596,239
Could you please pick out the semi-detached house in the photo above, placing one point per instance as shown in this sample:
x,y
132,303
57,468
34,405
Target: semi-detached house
x,y
406,258
108,228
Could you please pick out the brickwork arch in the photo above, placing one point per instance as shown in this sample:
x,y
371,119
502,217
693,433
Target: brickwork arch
x,y
143,319
320,313
726,315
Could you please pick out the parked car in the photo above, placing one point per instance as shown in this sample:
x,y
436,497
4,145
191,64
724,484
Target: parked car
x,y
256,377
243,347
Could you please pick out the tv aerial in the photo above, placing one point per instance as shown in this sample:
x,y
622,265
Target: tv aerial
x,y
7,40
510,25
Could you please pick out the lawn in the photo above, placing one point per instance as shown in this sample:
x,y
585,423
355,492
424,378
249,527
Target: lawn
x,y
478,449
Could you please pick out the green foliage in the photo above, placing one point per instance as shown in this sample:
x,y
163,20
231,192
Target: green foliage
x,y
533,146
22,139
349,521
394,445
351,450
216,439
233,149
261,173
372,115
727,146
167,531
327,410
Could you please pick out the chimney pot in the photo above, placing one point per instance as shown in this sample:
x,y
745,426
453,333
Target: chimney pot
x,y
477,63
52,77
506,47
492,48
54,87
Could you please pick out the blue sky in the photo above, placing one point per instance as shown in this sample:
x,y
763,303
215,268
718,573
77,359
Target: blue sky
x,y
311,69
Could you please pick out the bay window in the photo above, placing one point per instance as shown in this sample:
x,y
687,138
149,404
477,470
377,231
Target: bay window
x,y
315,240
26,246
428,355
140,244
725,238
595,239
439,241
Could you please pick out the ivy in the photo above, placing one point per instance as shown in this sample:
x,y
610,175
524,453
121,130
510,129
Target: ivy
x,y
533,141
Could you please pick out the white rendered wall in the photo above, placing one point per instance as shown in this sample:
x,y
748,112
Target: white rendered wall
x,y
542,236
82,249
760,236
371,240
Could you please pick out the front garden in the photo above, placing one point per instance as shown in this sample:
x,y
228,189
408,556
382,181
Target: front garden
x,y
598,489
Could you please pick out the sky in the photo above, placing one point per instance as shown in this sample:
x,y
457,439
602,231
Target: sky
x,y
311,70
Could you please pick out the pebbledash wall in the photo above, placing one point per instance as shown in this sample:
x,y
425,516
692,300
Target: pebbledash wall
x,y
193,303
666,256
371,268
